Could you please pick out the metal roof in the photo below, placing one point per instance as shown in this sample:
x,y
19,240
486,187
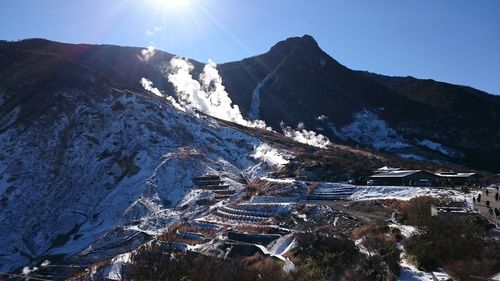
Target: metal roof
x,y
396,174
454,175
386,172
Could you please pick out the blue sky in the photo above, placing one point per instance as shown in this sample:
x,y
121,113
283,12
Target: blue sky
x,y
456,41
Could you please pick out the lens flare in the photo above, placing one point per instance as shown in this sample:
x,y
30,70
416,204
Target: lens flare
x,y
172,4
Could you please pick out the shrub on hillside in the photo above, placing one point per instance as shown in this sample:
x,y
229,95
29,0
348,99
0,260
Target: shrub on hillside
x,y
153,263
450,242
338,258
416,211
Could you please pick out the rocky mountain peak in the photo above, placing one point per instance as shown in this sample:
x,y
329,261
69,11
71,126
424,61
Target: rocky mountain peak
x,y
297,46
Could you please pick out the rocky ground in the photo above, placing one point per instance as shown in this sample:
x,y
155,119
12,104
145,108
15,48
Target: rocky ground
x,y
264,217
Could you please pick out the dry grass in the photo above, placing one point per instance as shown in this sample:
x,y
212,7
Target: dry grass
x,y
254,228
374,228
396,204
462,270
153,264
311,187
205,232
258,187
253,259
188,241
171,234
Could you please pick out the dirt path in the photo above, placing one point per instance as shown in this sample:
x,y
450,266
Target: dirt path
x,y
347,208
481,206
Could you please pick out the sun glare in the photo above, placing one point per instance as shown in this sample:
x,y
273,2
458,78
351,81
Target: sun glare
x,y
173,4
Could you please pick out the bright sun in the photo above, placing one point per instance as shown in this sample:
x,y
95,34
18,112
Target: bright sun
x,y
173,4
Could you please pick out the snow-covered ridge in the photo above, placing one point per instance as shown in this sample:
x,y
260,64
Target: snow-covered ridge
x,y
72,184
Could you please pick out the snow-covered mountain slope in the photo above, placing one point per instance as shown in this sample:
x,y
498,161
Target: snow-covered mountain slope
x,y
91,166
297,82
96,172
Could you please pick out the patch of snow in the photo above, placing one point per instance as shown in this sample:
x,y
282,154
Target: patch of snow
x,y
290,181
439,148
272,199
254,112
288,266
368,129
411,156
280,247
410,273
361,192
400,192
386,169
361,247
276,208
115,269
283,245
406,230
302,216
467,198
441,275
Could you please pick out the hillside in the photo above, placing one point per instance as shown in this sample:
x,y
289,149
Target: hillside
x,y
421,119
92,165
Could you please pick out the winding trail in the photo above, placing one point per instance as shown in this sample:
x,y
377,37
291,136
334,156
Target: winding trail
x,y
341,206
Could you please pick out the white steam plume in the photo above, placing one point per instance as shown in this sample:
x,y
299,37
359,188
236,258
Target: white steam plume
x,y
270,155
148,86
27,270
147,54
207,95
304,136
322,118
